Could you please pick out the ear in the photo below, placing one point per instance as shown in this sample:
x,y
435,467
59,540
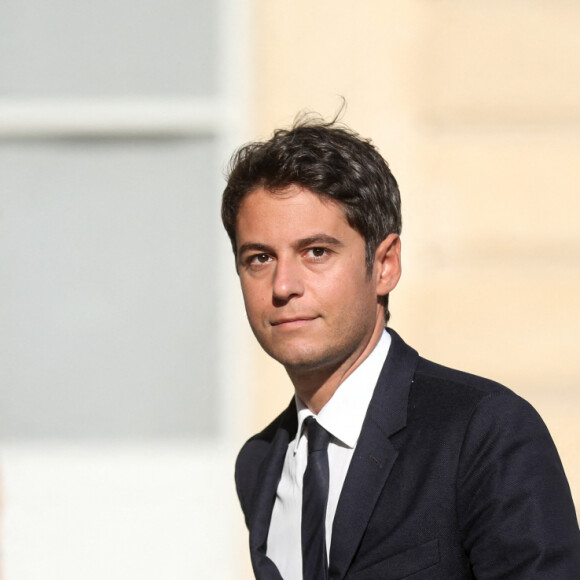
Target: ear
x,y
387,267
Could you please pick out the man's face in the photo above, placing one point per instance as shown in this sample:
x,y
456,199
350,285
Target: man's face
x,y
309,297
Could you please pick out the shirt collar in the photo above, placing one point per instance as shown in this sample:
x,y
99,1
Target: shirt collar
x,y
344,413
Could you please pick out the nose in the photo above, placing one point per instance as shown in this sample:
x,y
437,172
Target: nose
x,y
287,281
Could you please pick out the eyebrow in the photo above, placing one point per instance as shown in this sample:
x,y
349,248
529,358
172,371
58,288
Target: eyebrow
x,y
322,239
254,247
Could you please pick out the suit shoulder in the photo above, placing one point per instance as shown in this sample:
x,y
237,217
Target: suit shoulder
x,y
256,449
441,387
434,376
257,445
455,392
436,373
287,420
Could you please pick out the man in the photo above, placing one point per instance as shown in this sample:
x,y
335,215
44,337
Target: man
x,y
385,465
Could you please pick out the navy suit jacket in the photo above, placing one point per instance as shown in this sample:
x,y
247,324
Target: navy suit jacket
x,y
453,477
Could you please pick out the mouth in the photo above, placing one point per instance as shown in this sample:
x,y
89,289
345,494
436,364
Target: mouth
x,y
294,322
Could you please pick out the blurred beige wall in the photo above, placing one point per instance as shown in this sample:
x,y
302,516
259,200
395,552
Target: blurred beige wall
x,y
476,107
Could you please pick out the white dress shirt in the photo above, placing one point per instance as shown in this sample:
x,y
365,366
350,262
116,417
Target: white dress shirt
x,y
342,417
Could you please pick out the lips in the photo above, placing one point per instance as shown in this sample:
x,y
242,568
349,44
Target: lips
x,y
294,321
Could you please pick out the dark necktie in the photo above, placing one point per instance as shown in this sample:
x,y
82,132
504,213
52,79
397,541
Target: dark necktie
x,y
314,499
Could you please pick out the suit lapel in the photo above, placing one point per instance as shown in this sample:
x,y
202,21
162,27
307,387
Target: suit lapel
x,y
265,494
374,455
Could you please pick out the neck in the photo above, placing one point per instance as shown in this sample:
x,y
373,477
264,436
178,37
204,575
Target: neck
x,y
316,386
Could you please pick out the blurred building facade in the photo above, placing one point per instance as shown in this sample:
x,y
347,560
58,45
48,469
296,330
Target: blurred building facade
x,y
476,107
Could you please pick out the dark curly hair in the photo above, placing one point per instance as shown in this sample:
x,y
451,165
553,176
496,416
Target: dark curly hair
x,y
328,159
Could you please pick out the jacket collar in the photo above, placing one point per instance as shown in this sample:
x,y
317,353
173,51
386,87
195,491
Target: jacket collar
x,y
374,455
265,495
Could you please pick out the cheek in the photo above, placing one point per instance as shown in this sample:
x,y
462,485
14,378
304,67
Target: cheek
x,y
347,287
254,298
353,299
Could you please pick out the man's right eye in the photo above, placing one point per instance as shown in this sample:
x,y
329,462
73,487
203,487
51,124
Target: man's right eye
x,y
259,259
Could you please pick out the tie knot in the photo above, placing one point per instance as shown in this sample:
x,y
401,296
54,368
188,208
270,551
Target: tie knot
x,y
318,436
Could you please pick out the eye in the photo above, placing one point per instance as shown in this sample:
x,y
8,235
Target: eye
x,y
317,254
259,259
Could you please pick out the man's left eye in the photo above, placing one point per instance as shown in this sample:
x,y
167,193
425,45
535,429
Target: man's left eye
x,y
317,252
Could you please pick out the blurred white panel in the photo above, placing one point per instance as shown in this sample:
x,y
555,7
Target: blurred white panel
x,y
112,117
63,47
117,513
109,275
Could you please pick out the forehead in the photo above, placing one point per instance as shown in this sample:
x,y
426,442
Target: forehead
x,y
293,209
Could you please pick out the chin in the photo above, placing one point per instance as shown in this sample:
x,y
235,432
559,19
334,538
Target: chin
x,y
306,359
